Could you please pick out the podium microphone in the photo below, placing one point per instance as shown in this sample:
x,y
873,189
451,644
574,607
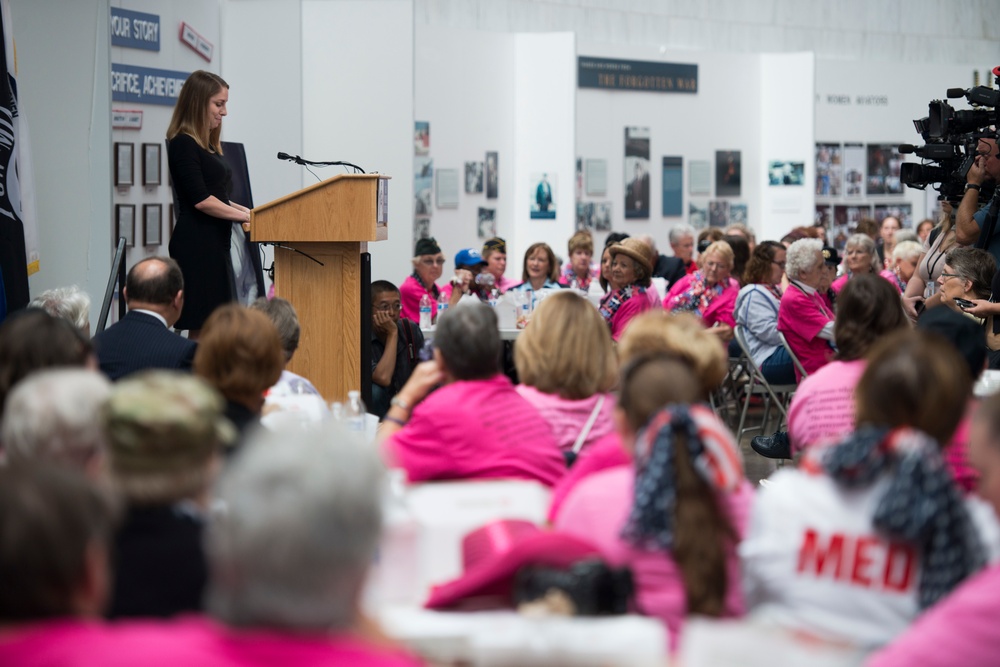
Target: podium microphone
x,y
286,156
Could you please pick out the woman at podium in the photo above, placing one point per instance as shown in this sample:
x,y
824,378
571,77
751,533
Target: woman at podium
x,y
207,221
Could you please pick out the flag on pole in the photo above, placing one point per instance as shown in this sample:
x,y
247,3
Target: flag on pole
x,y
16,219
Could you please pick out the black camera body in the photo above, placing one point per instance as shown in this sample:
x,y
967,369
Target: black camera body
x,y
952,139
594,588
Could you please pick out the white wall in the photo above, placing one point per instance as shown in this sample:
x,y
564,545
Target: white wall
x,y
544,135
723,115
63,65
464,86
786,134
357,101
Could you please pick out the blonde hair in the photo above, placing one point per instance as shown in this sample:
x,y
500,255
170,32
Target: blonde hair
x,y
722,249
681,335
191,111
567,350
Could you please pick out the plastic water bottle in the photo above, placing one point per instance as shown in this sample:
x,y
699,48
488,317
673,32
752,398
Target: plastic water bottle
x,y
442,305
425,312
354,412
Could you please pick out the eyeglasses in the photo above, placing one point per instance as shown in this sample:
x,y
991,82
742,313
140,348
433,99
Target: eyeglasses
x,y
716,265
781,264
389,308
950,275
431,262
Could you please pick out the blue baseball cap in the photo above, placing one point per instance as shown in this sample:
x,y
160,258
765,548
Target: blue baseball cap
x,y
469,257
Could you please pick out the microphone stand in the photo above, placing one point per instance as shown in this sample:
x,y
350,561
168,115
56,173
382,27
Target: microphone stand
x,y
303,162
278,245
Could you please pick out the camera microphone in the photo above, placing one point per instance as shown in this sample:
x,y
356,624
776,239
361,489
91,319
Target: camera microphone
x,y
907,148
955,93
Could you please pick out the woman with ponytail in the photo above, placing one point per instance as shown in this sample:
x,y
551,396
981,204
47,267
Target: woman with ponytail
x,y
675,514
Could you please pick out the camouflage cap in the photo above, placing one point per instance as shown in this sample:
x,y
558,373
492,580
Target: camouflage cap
x,y
163,421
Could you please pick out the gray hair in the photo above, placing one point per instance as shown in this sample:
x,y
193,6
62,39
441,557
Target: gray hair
x,y
56,415
975,265
469,340
803,255
302,521
909,250
651,242
679,232
70,303
867,244
903,235
741,230
285,319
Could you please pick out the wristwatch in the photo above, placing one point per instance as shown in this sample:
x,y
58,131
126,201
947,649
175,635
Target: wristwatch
x,y
973,186
399,403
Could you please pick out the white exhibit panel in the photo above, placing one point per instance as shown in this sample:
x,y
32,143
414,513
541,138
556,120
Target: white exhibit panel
x,y
464,90
357,105
544,119
63,55
860,106
722,117
786,144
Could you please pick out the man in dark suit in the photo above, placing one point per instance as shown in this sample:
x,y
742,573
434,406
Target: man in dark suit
x,y
154,293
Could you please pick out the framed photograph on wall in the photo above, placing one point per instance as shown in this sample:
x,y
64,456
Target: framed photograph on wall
x,y
492,174
636,177
124,163
151,164
125,223
152,224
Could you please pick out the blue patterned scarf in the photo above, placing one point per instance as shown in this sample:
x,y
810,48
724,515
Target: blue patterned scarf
x,y
614,301
922,505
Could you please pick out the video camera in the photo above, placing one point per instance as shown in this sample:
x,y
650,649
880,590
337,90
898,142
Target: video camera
x,y
952,139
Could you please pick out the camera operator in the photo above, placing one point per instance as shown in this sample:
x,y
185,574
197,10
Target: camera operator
x,y
970,216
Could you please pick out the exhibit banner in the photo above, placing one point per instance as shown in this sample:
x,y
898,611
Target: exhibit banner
x,y
656,77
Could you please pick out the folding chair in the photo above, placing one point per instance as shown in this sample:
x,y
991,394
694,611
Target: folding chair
x,y
757,385
795,360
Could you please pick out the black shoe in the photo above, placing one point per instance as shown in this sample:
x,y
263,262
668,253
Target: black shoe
x,y
775,446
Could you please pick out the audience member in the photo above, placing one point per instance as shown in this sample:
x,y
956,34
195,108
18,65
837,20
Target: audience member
x,y
70,303
31,340
55,534
469,265
822,409
676,515
651,333
579,270
756,312
541,270
284,318
968,274
289,555
165,435
396,345
55,416
566,363
961,628
923,284
710,292
971,213
744,232
475,425
887,240
905,257
154,293
495,254
428,265
681,239
628,283
924,228
859,257
806,314
239,353
741,255
868,227
707,237
852,545
604,279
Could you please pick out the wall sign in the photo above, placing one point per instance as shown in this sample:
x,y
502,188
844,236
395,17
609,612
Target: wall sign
x,y
145,85
126,119
135,30
196,42
611,74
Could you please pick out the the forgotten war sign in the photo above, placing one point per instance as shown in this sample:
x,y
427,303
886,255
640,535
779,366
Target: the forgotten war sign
x,y
655,77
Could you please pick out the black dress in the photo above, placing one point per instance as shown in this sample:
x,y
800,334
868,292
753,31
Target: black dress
x,y
200,242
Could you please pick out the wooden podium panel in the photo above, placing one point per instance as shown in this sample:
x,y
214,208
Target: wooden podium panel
x,y
332,222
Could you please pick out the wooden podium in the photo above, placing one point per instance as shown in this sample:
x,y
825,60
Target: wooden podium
x,y
331,222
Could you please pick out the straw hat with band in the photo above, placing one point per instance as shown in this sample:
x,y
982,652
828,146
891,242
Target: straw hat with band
x,y
638,251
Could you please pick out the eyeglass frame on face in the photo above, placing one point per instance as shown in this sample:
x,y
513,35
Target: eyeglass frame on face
x,y
780,264
716,265
950,275
433,262
394,307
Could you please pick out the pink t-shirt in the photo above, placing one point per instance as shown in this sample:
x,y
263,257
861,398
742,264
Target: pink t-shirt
x,y
506,283
822,408
597,511
608,453
956,454
801,318
567,418
839,283
191,641
634,306
476,429
959,630
409,295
